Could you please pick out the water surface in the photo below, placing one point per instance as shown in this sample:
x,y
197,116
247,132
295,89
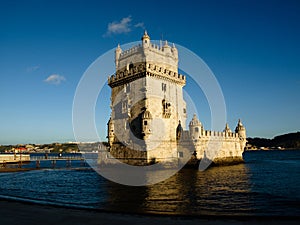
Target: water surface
x,y
267,184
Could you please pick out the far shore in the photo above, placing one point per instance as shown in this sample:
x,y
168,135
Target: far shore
x,y
271,149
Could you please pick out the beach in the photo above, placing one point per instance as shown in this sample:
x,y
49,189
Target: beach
x,y
15,213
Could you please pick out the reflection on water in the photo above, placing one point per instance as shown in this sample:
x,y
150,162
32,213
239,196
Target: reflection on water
x,y
223,189
267,184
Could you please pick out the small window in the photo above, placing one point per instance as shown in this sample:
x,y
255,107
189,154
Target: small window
x,y
196,129
180,154
124,107
145,123
127,88
164,87
130,66
184,110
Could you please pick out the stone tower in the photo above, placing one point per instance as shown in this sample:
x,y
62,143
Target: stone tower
x,y
241,131
146,103
195,128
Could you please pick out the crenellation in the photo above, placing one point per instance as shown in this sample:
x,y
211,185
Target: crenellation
x,y
150,69
149,112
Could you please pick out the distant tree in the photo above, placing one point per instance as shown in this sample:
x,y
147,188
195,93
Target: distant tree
x,y
290,140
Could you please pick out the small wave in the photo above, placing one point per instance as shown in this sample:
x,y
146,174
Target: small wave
x,y
43,202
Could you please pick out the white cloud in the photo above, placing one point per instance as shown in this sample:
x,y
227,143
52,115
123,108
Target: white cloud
x,y
55,79
32,68
141,25
120,27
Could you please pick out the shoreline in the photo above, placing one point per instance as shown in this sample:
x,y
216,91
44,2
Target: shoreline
x,y
272,149
16,212
17,169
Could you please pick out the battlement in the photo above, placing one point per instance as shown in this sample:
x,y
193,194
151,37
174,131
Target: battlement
x,y
211,135
139,70
133,50
159,49
162,55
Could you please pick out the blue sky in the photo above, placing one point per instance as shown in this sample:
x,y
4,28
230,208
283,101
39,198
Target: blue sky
x,y
45,47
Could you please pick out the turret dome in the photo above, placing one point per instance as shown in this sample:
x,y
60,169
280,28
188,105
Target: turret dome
x,y
145,36
195,121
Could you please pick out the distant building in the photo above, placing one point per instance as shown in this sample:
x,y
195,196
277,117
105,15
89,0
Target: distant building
x,y
148,112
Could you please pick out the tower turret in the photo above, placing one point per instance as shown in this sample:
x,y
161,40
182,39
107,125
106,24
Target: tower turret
x,y
146,124
145,40
166,48
195,127
227,129
118,52
241,130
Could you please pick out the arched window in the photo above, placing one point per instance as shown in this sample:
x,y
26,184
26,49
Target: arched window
x,y
130,66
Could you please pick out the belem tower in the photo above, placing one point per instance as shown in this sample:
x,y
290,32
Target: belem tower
x,y
148,113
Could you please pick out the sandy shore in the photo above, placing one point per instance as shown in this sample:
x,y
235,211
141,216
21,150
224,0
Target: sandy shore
x,y
12,212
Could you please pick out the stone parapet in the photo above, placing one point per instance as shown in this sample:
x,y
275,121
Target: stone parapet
x,y
140,70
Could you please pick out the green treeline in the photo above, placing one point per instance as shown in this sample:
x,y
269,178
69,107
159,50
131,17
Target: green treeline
x,y
291,140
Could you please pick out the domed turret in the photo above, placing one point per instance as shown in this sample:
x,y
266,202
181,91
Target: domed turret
x,y
241,130
146,40
166,48
227,129
146,115
146,124
195,128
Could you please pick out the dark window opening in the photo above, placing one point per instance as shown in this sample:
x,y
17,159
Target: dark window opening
x,y
130,66
164,87
127,89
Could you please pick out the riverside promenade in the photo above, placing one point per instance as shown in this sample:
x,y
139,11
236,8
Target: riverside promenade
x,y
23,162
14,158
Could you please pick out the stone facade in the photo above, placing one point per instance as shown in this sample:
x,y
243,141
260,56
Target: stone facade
x,y
148,111
220,147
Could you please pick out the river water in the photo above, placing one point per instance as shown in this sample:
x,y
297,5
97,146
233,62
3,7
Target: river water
x,y
267,184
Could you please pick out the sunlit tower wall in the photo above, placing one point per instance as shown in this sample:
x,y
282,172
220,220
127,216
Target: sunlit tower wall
x,y
147,103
